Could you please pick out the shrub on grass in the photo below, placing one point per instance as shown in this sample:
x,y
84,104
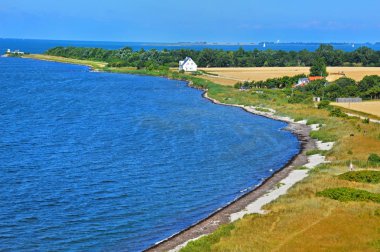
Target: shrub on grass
x,y
337,112
205,243
313,120
372,177
302,168
324,105
299,98
374,159
315,151
323,135
262,109
238,85
377,212
375,244
320,168
345,194
365,120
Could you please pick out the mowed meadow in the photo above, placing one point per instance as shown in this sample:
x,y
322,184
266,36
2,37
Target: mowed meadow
x,y
231,75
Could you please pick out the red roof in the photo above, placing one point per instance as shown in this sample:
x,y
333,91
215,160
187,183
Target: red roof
x,y
314,78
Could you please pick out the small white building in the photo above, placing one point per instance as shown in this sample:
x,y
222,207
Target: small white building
x,y
15,52
302,82
18,52
316,99
188,65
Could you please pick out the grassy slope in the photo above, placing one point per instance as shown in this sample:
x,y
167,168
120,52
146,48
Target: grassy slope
x,y
299,220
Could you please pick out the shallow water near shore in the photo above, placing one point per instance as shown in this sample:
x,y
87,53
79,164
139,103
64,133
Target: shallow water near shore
x,y
100,161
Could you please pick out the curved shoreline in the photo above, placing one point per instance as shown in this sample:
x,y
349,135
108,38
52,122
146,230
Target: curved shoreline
x,y
223,215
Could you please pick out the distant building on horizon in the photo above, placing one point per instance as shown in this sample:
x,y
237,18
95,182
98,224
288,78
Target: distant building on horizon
x,y
15,52
188,65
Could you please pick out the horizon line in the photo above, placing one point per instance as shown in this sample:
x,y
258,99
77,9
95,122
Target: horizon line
x,y
205,42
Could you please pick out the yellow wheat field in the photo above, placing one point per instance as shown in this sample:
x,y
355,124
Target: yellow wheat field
x,y
229,76
369,107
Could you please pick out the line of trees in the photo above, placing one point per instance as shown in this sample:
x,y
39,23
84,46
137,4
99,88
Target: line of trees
x,y
367,88
363,56
282,82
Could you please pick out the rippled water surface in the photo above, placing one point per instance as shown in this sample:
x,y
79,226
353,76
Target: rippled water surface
x,y
99,161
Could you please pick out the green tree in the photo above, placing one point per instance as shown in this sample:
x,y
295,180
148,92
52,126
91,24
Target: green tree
x,y
374,93
316,87
318,68
369,82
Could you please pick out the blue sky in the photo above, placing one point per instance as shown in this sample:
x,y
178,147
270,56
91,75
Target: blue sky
x,y
192,20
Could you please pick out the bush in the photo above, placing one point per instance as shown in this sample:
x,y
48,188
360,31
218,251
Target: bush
x,y
324,105
337,112
372,177
374,159
320,168
365,120
315,152
345,194
265,110
118,64
197,73
324,135
299,98
205,243
238,85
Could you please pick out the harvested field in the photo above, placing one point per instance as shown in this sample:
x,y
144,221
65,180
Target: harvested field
x,y
229,76
368,107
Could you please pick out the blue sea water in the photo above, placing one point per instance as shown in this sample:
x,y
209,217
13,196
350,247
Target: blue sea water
x,y
116,162
40,46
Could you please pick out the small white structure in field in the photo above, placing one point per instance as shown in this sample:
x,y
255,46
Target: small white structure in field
x,y
188,65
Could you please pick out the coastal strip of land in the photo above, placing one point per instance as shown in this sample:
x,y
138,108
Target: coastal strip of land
x,y
299,218
252,202
238,206
94,65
